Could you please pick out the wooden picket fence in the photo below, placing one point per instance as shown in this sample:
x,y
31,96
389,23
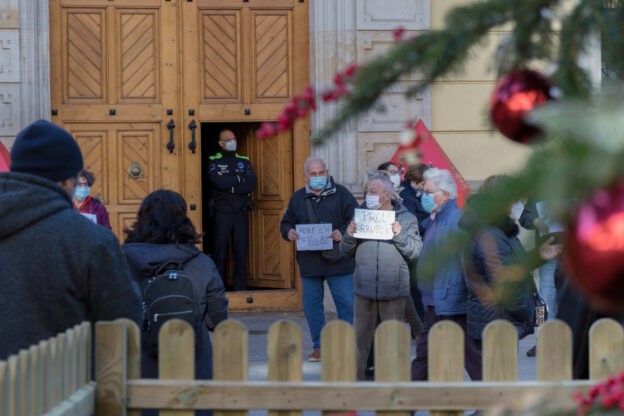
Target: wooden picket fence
x,y
52,378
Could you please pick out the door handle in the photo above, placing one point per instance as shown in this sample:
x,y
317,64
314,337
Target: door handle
x,y
193,144
171,144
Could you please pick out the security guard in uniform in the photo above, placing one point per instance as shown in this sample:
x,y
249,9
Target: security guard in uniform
x,y
232,180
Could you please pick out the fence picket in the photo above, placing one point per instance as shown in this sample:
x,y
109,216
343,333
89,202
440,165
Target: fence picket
x,y
133,354
338,346
284,354
61,376
110,371
14,386
338,359
446,356
80,360
500,351
4,388
36,380
554,352
392,356
86,327
25,396
44,352
230,357
606,349
51,393
70,336
176,358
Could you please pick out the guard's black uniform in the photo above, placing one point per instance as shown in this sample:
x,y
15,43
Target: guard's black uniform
x,y
232,180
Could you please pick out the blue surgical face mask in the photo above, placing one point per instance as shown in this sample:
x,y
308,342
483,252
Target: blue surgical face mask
x,y
318,182
81,192
428,203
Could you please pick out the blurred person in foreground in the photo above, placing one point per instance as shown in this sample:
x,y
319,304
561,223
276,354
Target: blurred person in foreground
x,y
57,269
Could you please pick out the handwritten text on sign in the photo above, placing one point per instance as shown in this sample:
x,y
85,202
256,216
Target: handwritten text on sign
x,y
314,237
373,224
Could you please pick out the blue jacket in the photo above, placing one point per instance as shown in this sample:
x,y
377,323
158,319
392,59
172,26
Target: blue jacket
x,y
440,270
336,206
411,201
489,253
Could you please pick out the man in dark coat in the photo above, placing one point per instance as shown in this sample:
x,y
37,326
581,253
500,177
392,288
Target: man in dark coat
x,y
57,267
329,203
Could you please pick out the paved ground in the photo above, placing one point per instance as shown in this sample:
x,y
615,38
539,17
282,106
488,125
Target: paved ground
x,y
258,325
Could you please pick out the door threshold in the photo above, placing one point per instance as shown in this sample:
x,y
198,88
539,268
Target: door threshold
x,y
264,300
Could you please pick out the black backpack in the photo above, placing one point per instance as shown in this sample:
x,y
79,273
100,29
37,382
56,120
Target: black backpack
x,y
169,295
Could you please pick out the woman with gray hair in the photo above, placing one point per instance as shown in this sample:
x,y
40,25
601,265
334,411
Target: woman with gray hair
x,y
441,276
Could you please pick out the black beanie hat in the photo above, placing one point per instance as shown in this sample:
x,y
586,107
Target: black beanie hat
x,y
44,149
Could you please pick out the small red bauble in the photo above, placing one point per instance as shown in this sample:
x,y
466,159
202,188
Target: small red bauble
x,y
514,96
594,254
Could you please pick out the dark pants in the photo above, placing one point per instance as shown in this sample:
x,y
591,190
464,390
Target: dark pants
x,y
472,348
365,315
235,224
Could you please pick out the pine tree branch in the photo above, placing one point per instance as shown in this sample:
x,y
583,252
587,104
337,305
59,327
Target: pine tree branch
x,y
435,54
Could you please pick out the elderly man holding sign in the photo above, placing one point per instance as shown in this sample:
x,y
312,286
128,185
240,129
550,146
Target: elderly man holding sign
x,y
384,238
316,218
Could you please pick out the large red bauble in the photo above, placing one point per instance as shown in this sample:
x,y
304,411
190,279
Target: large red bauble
x,y
515,95
594,254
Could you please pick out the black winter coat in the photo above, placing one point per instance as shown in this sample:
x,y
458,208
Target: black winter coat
x,y
336,207
491,251
144,260
57,268
412,201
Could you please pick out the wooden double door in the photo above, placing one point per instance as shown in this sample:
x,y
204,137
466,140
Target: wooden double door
x,y
135,80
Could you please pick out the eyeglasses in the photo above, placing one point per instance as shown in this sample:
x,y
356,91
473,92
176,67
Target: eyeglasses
x,y
429,193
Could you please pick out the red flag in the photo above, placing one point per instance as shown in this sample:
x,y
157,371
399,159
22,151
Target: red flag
x,y
5,158
432,155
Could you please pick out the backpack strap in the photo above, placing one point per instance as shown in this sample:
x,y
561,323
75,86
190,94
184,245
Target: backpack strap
x,y
187,261
174,265
311,213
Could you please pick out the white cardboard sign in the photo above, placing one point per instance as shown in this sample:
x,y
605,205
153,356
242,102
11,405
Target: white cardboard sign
x,y
373,224
314,237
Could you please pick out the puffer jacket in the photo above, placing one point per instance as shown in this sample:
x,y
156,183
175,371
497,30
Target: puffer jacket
x,y
489,253
440,270
382,266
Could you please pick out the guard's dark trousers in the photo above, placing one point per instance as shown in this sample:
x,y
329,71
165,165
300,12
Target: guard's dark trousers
x,y
234,224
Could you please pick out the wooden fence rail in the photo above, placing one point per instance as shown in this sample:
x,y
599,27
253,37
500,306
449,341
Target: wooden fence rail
x,y
53,378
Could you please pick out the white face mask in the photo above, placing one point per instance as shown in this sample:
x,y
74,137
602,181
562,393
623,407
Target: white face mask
x,y
230,146
516,210
396,181
372,202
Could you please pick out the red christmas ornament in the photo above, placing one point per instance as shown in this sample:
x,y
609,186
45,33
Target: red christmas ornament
x,y
515,95
594,254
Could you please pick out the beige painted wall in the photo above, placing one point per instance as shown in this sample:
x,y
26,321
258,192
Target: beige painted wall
x,y
459,111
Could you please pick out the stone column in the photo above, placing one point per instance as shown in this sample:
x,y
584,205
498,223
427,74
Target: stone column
x,y
333,47
24,65
35,60
10,122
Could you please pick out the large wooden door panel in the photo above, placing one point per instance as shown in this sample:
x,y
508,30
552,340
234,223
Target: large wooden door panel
x,y
221,59
273,263
115,86
83,48
271,55
137,48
